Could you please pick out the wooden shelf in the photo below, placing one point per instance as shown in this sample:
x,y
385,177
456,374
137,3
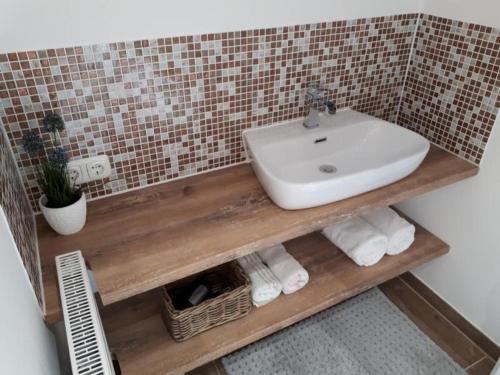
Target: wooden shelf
x,y
140,240
138,337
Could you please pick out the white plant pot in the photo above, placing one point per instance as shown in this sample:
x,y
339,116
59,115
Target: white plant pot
x,y
65,220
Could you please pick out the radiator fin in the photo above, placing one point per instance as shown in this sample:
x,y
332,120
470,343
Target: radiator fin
x,y
87,344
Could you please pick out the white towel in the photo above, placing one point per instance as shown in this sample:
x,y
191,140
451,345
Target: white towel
x,y
265,286
359,240
285,267
399,232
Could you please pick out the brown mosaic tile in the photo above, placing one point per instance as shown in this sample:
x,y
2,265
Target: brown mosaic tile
x,y
172,107
19,214
452,92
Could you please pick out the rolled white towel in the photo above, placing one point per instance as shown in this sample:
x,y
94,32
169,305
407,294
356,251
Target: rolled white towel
x,y
359,240
265,286
399,232
285,267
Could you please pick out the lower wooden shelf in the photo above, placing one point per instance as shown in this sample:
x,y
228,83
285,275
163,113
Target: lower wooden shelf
x,y
137,336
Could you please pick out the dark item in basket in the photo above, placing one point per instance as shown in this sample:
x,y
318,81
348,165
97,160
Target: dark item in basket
x,y
228,298
214,282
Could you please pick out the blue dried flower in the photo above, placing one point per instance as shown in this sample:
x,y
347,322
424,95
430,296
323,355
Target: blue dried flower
x,y
57,158
53,122
33,143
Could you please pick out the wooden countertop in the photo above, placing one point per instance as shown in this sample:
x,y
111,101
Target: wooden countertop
x,y
140,240
137,335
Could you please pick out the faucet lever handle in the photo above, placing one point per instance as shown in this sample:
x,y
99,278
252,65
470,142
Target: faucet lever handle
x,y
315,93
332,107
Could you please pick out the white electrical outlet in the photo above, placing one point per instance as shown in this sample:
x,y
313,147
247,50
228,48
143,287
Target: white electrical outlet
x,y
98,167
75,173
89,169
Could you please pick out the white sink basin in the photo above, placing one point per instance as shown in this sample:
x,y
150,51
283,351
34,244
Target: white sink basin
x,y
348,154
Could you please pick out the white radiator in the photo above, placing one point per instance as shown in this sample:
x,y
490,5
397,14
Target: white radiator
x,y
87,344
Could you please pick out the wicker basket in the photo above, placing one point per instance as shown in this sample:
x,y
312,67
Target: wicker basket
x,y
234,302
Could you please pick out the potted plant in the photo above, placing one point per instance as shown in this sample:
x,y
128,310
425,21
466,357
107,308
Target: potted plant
x,y
62,203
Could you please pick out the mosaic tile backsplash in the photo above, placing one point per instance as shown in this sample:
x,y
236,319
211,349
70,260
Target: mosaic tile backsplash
x,y
452,92
172,107
19,214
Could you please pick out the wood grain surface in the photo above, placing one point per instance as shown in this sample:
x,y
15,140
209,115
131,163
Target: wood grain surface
x,y
140,240
138,337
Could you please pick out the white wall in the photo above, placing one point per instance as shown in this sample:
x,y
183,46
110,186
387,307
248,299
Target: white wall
x,y
30,24
467,214
27,347
483,12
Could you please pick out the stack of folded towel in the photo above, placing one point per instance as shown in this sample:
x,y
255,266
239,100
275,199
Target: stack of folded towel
x,y
265,286
367,238
400,233
272,271
359,240
285,267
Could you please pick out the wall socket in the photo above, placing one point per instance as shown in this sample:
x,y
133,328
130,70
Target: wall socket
x,y
89,169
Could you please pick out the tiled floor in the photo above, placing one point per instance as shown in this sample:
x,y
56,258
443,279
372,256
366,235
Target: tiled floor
x,y
441,330
435,325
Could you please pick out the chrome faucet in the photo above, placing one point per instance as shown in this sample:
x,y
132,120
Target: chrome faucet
x,y
316,95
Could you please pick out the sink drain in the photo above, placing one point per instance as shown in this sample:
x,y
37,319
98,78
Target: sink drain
x,y
327,168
